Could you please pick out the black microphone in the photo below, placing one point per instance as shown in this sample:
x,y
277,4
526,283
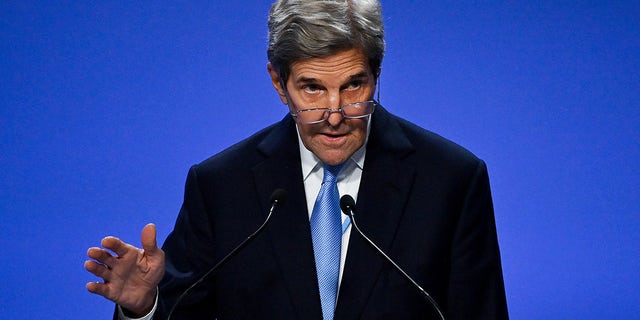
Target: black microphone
x,y
277,198
348,206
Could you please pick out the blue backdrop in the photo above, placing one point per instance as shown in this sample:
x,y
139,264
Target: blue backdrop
x,y
103,108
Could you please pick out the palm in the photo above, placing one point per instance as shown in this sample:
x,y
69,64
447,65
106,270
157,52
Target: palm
x,y
131,276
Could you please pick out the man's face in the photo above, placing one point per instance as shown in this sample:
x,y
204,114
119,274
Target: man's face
x,y
329,82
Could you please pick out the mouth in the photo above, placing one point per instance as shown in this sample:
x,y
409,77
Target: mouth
x,y
333,134
333,137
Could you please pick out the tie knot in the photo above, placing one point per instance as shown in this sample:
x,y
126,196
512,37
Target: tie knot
x,y
331,173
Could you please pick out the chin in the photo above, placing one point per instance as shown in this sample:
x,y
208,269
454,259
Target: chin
x,y
334,159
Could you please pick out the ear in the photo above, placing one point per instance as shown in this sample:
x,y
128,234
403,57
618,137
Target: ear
x,y
277,83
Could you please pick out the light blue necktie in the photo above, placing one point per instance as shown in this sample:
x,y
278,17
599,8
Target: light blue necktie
x,y
326,233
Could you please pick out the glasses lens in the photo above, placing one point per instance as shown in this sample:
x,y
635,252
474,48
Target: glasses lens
x,y
312,115
358,109
350,111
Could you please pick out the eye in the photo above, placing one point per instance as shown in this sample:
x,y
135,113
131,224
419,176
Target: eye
x,y
353,85
311,88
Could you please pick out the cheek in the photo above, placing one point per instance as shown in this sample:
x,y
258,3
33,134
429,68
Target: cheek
x,y
358,127
306,133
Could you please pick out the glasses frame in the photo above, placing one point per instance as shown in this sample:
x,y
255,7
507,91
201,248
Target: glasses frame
x,y
329,111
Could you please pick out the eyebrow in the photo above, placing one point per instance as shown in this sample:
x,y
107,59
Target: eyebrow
x,y
357,76
307,80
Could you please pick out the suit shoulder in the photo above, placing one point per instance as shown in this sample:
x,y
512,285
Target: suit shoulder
x,y
432,145
243,154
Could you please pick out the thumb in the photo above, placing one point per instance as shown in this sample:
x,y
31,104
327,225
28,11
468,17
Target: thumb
x,y
148,238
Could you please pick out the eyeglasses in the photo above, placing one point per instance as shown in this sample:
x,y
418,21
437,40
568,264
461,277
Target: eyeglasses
x,y
354,110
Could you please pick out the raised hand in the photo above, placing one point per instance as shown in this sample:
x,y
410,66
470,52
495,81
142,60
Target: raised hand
x,y
131,276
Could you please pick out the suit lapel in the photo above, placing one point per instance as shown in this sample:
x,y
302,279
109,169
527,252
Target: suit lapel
x,y
384,188
289,229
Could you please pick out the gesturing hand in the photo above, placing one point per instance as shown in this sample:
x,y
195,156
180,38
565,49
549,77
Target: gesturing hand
x,y
130,278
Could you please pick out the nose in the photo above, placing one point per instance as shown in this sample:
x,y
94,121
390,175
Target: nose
x,y
335,116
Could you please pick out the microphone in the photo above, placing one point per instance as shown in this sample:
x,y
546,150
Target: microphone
x,y
348,206
278,197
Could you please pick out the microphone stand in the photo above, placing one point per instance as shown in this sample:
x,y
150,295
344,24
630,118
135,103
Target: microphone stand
x,y
347,204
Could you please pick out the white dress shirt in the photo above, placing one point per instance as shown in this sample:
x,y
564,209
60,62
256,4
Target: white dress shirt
x,y
348,183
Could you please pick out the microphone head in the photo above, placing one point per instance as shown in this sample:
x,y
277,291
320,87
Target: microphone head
x,y
278,196
347,204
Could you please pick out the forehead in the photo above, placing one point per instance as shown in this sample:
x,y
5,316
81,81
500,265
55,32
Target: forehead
x,y
340,66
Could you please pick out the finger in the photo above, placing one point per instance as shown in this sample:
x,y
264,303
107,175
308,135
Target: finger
x,y
98,288
93,286
148,238
116,245
98,269
103,256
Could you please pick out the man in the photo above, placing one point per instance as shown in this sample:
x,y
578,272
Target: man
x,y
424,200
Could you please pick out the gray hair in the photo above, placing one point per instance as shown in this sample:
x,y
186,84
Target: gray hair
x,y
304,29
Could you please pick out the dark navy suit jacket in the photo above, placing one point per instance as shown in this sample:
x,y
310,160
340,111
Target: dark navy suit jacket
x,y
423,199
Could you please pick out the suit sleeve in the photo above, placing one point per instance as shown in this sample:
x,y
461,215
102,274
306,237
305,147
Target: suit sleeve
x,y
476,288
189,255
